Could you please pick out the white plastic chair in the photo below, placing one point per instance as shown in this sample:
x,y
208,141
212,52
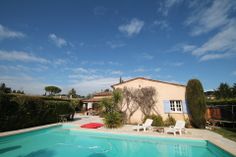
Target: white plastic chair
x,y
144,126
179,127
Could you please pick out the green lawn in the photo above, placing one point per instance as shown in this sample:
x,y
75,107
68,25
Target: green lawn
x,y
227,133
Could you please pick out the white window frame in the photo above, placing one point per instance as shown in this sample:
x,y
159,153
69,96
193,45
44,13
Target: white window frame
x,y
176,106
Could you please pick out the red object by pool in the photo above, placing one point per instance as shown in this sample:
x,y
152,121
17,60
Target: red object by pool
x,y
92,125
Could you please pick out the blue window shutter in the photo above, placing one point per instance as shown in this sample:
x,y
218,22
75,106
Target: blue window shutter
x,y
166,106
185,109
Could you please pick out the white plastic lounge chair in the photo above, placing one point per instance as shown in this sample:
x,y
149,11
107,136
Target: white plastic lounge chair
x,y
144,126
179,127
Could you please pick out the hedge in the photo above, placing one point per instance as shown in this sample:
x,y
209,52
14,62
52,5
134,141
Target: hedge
x,y
18,112
221,102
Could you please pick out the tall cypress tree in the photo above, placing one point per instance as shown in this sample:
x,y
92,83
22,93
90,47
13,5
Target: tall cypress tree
x,y
196,103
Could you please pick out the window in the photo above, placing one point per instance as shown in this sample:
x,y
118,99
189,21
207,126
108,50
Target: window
x,y
176,106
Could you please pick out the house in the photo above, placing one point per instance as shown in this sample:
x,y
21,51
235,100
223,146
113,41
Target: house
x,y
91,103
169,98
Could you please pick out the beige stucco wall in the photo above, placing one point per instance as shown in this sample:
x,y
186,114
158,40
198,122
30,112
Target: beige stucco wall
x,y
164,91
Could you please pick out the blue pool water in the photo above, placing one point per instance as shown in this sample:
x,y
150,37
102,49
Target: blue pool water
x,y
63,142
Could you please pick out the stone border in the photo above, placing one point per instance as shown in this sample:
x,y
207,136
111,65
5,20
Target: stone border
x,y
15,132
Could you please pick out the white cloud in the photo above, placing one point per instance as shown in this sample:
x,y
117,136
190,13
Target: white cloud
x,y
21,68
20,56
174,63
157,70
206,19
115,44
116,72
217,16
81,44
177,64
114,63
163,25
166,5
30,85
86,62
59,61
147,56
6,33
187,48
140,70
234,73
81,70
132,28
94,85
222,45
90,80
13,68
215,56
59,42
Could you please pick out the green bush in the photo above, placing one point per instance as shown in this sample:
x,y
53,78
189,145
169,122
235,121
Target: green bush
x,y
221,102
113,116
187,123
169,121
157,120
196,103
18,112
113,120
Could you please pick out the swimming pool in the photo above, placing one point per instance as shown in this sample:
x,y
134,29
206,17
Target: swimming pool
x,y
61,141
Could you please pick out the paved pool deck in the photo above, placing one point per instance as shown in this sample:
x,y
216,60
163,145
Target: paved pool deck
x,y
201,134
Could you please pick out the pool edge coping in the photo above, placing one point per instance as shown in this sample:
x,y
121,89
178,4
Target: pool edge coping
x,y
25,130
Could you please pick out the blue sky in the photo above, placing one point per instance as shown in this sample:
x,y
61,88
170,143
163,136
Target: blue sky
x,y
88,45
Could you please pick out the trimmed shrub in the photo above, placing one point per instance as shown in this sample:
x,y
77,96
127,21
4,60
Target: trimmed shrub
x,y
18,112
113,116
169,121
157,120
113,120
196,103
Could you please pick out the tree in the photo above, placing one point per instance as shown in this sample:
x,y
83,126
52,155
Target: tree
x,y
72,93
107,90
4,88
196,103
113,116
234,90
52,90
223,91
129,105
121,81
145,99
116,98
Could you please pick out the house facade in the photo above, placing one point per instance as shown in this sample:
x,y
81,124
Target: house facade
x,y
169,98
